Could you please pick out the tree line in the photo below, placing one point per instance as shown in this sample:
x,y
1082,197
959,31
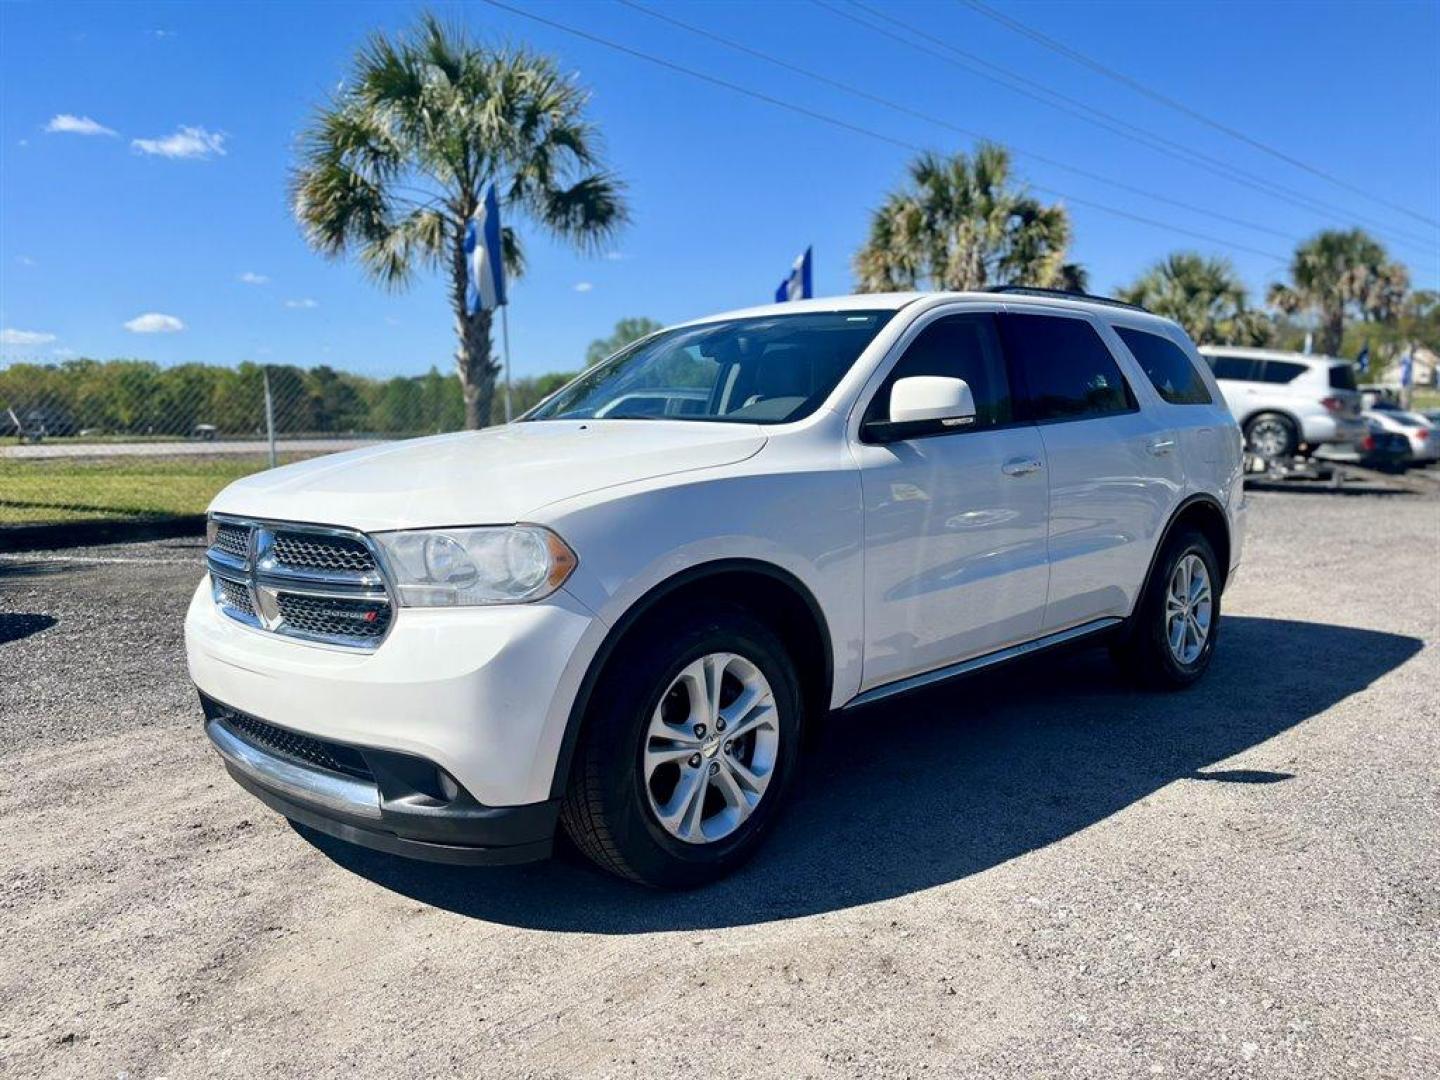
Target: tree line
x,y
138,397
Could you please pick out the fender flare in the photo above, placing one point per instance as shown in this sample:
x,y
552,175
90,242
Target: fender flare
x,y
647,603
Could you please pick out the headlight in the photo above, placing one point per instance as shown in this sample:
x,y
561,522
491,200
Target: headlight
x,y
510,564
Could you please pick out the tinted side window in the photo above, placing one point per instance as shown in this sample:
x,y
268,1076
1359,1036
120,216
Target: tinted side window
x,y
1278,371
1166,366
1342,377
1240,368
1067,371
959,347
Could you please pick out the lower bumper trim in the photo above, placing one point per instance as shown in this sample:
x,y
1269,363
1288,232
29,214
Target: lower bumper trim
x,y
383,805
377,840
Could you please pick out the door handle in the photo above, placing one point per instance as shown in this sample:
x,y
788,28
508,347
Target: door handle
x,y
1160,447
1020,466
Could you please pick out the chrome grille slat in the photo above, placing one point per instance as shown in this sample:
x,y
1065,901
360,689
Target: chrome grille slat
x,y
313,583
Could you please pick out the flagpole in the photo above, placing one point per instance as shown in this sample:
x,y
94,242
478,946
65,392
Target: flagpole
x,y
505,337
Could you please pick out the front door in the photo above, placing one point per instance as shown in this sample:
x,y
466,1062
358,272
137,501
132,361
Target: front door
x,y
955,522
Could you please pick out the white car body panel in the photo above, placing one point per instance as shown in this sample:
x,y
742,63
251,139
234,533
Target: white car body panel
x,y
917,554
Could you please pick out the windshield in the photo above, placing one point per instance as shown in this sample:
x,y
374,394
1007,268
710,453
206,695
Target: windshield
x,y
754,371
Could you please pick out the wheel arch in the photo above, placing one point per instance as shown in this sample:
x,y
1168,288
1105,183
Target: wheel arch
x,y
1205,513
781,598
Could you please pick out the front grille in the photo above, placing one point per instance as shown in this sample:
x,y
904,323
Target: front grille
x,y
233,540
315,551
301,749
319,584
234,595
334,617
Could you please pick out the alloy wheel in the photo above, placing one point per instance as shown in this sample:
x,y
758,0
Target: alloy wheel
x,y
711,748
1188,609
1269,437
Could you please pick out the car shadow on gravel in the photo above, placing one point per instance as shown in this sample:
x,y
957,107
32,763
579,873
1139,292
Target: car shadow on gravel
x,y
931,788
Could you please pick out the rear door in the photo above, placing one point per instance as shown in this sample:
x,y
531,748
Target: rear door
x,y
1114,470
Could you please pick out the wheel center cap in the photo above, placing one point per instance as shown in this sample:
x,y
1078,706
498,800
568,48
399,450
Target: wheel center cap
x,y
711,746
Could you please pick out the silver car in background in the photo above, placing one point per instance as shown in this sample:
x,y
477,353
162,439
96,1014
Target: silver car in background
x,y
1288,403
1418,430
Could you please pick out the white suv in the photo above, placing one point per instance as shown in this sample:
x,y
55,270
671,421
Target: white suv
x,y
1288,402
623,622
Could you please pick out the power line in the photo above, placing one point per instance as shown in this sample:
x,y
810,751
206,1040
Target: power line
x,y
1039,92
848,126
907,110
1179,106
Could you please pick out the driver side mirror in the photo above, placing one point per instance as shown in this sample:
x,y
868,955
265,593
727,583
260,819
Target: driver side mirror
x,y
924,405
932,397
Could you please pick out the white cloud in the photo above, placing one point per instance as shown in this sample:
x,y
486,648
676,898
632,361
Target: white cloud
x,y
583,286
153,322
615,256
69,124
305,303
249,277
25,260
187,142
11,336
64,354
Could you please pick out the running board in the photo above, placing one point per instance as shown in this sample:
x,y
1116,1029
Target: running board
x,y
964,667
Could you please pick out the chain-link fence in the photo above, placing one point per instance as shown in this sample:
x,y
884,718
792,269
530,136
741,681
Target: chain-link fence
x,y
85,438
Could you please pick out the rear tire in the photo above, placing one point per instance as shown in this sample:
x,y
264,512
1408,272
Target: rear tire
x,y
1271,436
652,797
1168,642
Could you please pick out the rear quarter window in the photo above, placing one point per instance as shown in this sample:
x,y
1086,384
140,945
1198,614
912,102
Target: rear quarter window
x,y
1167,366
1342,377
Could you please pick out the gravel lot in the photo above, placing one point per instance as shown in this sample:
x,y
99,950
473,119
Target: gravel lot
x,y
1039,872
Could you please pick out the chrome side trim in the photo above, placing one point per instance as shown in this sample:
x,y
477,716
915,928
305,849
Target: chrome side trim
x,y
925,678
330,790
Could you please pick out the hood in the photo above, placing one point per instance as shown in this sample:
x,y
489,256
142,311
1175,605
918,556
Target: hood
x,y
490,477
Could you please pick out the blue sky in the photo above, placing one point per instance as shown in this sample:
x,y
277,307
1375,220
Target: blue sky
x,y
182,196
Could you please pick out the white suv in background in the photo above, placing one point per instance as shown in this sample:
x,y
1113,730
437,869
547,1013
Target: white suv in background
x,y
621,622
1287,403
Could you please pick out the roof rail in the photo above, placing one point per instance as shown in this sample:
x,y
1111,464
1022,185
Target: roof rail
x,y
1061,294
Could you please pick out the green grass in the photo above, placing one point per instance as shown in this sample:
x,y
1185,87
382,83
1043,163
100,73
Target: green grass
x,y
119,488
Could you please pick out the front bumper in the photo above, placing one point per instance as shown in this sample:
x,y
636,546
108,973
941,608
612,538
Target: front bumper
x,y
376,798
483,693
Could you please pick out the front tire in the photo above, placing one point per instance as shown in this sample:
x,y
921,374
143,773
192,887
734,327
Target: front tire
x,y
689,746
1170,639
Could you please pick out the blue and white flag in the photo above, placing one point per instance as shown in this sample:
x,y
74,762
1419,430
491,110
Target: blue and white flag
x,y
798,285
1362,359
485,289
1407,369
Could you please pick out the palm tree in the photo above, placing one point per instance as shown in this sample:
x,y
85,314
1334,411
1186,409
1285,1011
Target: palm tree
x,y
393,167
1335,274
1204,295
961,223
